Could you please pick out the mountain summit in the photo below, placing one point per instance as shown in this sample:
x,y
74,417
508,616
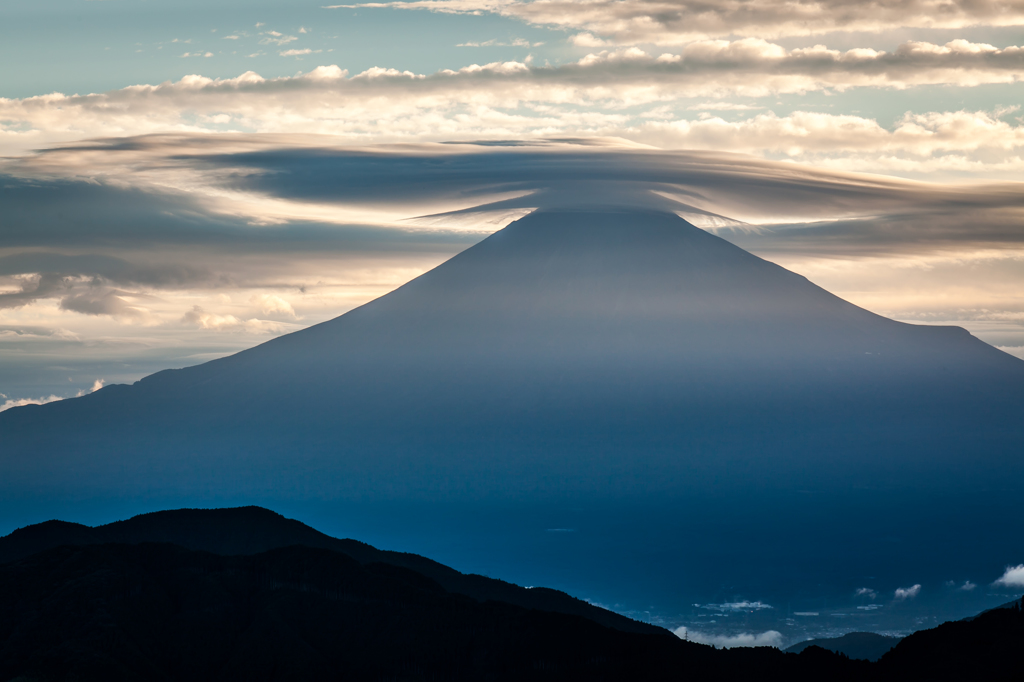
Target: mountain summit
x,y
577,357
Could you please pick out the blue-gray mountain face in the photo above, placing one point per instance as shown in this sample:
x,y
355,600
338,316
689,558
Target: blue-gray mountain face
x,y
614,403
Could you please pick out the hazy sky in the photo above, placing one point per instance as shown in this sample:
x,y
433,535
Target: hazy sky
x,y
265,165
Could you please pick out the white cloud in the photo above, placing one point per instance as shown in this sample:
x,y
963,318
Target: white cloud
x,y
866,592
212,321
494,42
904,593
275,38
269,304
29,401
917,142
515,99
1013,577
745,639
9,403
723,106
679,21
587,40
296,53
737,606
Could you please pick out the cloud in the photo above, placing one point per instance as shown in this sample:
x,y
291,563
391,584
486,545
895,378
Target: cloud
x,y
83,283
494,42
9,403
268,304
679,21
33,287
275,38
1013,577
100,302
738,606
967,586
587,40
212,321
904,593
625,93
866,592
234,180
38,333
770,638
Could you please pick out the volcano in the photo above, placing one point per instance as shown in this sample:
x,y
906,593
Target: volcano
x,y
609,360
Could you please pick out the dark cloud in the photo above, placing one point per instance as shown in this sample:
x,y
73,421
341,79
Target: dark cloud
x,y
90,243
866,215
45,285
69,213
923,232
99,301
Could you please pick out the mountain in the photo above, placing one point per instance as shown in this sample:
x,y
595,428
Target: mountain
x,y
252,530
867,646
678,403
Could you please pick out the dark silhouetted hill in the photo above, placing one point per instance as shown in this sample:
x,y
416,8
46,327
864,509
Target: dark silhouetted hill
x,y
867,646
989,646
92,608
252,530
152,611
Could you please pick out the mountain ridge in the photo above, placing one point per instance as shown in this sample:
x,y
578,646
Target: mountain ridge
x,y
155,610
867,646
253,530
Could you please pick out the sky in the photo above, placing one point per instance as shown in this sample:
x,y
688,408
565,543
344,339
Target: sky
x,y
179,181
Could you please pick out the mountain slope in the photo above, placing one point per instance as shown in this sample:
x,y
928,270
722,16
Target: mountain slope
x,y
585,328
690,409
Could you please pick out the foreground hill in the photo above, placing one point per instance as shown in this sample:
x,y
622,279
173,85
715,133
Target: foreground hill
x,y
252,530
985,647
159,611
